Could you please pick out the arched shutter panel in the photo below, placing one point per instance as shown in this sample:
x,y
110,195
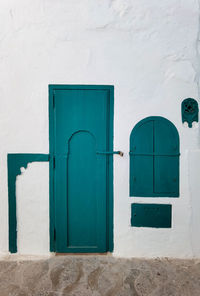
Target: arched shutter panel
x,y
154,158
141,165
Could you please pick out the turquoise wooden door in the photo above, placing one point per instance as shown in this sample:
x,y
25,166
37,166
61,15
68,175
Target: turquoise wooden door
x,y
81,127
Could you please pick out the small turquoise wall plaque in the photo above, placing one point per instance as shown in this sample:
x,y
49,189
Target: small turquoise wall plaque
x,y
151,215
190,111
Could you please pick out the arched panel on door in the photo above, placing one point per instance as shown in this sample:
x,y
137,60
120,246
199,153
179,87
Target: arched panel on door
x,y
154,158
81,190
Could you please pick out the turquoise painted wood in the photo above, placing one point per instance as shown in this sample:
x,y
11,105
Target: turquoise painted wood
x,y
151,215
15,161
154,158
82,178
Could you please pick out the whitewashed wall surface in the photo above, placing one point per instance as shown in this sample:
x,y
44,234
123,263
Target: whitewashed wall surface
x,y
149,50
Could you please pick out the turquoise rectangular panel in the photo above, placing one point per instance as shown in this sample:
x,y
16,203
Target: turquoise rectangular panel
x,y
142,176
82,177
151,215
166,175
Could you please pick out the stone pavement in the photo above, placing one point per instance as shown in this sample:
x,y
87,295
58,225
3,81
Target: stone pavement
x,y
100,275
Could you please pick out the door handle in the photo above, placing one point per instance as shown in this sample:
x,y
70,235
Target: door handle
x,y
120,153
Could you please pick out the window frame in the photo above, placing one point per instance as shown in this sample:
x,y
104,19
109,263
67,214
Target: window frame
x,y
176,139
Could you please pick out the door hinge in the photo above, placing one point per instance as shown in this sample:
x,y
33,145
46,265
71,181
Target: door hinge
x,y
54,162
53,100
54,234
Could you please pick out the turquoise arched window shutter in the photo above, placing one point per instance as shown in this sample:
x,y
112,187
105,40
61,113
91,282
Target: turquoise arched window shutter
x,y
154,158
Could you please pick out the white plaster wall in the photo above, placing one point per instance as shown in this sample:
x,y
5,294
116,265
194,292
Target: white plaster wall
x,y
150,51
33,209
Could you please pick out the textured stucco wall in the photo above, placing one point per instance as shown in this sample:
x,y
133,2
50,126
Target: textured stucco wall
x,y
149,50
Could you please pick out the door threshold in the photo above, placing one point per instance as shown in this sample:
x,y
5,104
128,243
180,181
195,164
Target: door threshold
x,y
84,254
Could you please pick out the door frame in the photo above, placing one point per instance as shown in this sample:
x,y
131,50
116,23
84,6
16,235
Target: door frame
x,y
109,173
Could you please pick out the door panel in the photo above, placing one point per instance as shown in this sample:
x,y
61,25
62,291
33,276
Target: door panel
x,y
141,165
82,191
82,178
166,177
166,162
